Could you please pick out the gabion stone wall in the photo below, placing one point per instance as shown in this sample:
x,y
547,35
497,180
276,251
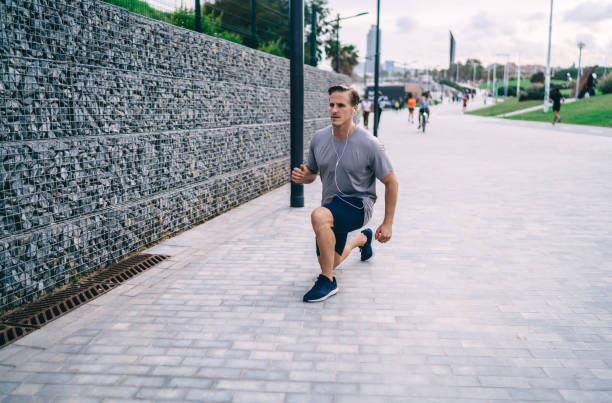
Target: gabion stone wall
x,y
117,131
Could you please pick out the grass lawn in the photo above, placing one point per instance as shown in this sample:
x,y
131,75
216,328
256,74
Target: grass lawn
x,y
509,105
512,83
594,111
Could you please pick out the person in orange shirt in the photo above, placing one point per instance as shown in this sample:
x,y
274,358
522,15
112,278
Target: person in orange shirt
x,y
411,106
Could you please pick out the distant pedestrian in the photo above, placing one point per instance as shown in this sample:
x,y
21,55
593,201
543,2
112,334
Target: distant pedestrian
x,y
378,109
557,98
365,110
465,101
411,106
349,160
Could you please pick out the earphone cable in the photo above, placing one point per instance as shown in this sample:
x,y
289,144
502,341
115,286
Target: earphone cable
x,y
339,157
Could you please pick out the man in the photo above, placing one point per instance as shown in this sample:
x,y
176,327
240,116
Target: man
x,y
465,101
556,97
378,108
411,106
365,107
349,160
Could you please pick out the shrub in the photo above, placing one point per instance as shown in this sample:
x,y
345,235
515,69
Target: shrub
x,y
273,47
511,91
605,84
454,85
230,36
537,77
534,91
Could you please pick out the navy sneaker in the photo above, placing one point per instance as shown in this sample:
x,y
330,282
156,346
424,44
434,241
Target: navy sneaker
x,y
322,289
366,250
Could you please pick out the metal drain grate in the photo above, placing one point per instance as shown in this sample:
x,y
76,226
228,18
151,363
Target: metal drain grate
x,y
34,315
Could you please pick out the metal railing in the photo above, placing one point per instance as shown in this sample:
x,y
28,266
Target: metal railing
x,y
260,24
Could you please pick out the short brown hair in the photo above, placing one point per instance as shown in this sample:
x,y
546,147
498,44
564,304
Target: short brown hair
x,y
353,94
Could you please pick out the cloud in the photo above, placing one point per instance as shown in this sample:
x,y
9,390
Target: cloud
x,y
406,24
539,16
587,38
589,12
483,22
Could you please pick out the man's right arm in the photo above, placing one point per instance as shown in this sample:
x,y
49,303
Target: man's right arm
x,y
303,175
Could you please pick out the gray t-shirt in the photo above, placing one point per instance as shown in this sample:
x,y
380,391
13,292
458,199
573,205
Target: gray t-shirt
x,y
361,162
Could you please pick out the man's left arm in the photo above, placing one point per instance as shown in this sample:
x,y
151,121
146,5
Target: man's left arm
x,y
384,231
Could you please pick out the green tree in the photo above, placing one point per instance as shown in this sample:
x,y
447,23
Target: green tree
x,y
141,7
348,56
272,21
210,23
322,29
272,47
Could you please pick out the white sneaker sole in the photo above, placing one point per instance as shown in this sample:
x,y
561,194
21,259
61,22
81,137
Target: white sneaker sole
x,y
331,293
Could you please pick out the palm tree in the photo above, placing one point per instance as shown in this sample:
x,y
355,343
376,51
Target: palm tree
x,y
348,56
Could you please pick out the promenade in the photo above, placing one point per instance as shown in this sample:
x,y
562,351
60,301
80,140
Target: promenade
x,y
496,286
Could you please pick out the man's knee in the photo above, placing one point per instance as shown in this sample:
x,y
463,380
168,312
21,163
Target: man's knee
x,y
321,217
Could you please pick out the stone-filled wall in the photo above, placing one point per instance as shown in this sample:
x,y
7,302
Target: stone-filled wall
x,y
117,131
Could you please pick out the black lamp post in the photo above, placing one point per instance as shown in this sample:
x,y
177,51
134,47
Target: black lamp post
x,y
254,23
313,35
198,18
296,73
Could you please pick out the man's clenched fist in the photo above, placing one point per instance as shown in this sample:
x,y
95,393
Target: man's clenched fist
x,y
298,174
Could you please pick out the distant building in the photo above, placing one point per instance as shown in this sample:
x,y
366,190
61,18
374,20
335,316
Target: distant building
x,y
371,49
532,68
389,66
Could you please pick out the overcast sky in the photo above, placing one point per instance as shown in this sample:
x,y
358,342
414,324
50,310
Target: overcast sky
x,y
417,31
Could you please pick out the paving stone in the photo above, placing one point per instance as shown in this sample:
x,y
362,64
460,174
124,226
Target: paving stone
x,y
210,395
160,393
586,395
258,397
309,398
494,288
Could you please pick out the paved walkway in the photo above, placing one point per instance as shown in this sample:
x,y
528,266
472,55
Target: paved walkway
x,y
496,286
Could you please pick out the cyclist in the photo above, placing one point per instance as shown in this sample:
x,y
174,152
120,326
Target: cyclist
x,y
411,105
424,107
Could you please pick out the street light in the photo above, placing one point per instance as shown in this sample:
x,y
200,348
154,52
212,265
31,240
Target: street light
x,y
376,67
547,84
495,81
430,78
518,78
365,72
338,19
578,72
505,74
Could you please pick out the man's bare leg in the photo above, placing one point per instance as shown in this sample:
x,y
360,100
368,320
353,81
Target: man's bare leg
x,y
322,223
351,244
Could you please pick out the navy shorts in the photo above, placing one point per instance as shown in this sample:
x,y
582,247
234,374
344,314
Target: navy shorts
x,y
346,219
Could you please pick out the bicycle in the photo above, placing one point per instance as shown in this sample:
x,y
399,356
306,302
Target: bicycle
x,y
423,120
